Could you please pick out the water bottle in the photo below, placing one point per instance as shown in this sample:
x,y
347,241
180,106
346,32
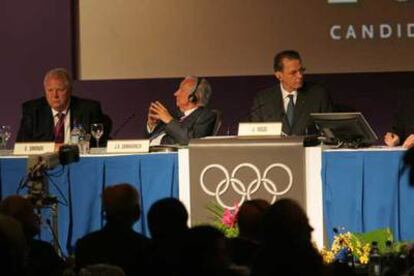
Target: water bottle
x,y
388,259
74,134
82,133
374,260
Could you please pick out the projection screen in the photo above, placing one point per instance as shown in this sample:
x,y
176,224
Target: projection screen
x,y
130,39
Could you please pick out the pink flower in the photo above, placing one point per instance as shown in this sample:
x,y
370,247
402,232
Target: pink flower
x,y
229,218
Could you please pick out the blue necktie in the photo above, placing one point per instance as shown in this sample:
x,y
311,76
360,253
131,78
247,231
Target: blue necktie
x,y
290,109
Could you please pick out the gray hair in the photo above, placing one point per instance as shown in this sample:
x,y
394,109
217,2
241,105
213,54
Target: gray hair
x,y
60,74
203,92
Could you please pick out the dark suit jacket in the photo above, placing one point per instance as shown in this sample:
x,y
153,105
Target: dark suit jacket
x,y
37,121
199,123
403,124
268,107
116,245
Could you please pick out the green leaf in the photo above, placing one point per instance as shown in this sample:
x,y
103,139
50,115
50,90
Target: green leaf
x,y
381,236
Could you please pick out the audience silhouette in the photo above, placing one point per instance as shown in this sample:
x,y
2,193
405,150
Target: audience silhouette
x,y
116,243
167,221
286,247
243,248
41,257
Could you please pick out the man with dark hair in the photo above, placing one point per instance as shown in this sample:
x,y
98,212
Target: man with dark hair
x,y
292,100
196,121
51,118
117,243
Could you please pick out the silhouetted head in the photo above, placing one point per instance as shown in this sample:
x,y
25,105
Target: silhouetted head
x,y
204,251
167,217
121,204
250,216
286,222
22,209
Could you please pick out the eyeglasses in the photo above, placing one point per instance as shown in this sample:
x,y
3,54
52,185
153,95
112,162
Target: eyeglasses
x,y
295,72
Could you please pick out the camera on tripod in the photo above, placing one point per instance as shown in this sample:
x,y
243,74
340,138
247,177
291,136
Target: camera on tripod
x,y
37,165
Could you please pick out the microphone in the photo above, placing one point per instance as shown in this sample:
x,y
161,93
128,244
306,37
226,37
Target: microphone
x,y
126,121
244,115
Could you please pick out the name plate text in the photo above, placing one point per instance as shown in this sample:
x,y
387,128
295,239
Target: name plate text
x,y
127,146
260,129
33,148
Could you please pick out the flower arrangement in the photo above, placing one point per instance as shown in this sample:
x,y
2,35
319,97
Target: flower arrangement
x,y
225,219
345,243
358,245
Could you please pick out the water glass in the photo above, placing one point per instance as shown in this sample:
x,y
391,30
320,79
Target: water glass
x,y
84,144
97,130
5,133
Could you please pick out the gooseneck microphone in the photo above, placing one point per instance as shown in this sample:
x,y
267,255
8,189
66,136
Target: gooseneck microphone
x,y
124,123
243,116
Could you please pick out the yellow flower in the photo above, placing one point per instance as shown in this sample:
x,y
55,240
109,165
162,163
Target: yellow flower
x,y
327,255
364,259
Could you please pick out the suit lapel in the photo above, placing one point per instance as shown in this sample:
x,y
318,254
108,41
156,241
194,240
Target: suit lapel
x,y
191,118
47,123
279,113
74,113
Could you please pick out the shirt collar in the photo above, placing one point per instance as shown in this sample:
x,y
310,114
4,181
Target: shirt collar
x,y
55,112
285,93
188,112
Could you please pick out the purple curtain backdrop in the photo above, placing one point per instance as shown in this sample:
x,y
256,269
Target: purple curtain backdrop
x,y
37,36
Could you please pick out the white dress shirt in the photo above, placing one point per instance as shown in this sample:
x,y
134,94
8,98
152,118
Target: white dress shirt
x,y
285,97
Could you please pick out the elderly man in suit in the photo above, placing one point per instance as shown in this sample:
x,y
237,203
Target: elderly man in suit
x,y
51,118
293,99
196,121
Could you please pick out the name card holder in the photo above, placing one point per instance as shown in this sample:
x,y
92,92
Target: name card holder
x,y
127,146
260,129
33,148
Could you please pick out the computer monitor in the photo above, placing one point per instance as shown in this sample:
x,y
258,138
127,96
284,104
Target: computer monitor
x,y
345,129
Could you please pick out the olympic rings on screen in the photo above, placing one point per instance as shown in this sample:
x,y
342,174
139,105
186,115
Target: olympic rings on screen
x,y
246,191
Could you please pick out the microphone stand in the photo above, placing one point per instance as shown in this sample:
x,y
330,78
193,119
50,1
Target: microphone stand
x,y
126,121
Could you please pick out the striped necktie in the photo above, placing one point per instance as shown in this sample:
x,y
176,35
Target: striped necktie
x,y
59,130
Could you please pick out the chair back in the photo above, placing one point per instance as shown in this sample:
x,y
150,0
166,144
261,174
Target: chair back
x,y
217,123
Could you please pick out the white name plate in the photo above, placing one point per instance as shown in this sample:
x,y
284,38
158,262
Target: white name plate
x,y
127,146
33,148
260,129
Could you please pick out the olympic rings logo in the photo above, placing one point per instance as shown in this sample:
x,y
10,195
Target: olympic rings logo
x,y
240,188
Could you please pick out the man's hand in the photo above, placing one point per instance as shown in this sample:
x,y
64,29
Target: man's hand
x,y
392,139
152,120
158,112
409,142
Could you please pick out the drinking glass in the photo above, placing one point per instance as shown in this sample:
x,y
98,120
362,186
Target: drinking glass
x,y
97,131
84,144
5,134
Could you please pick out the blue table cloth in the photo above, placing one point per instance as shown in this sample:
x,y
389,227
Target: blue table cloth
x,y
79,186
367,190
